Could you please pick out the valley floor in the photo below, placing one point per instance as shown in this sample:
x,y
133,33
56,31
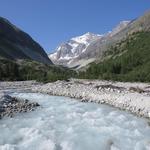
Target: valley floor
x,y
133,97
63,123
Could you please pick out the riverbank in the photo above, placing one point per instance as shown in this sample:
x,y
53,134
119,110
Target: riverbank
x,y
17,85
133,97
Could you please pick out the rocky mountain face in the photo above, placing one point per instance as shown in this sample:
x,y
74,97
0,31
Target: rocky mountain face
x,y
68,52
16,44
97,46
78,51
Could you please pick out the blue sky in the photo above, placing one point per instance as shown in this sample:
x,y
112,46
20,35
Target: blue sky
x,y
51,22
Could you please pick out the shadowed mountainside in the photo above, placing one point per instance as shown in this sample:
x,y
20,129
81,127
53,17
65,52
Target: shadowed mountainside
x,y
16,44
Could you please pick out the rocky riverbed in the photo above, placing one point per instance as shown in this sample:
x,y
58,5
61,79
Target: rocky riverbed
x,y
133,97
9,106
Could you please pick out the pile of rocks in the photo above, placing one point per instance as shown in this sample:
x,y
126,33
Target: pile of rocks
x,y
9,106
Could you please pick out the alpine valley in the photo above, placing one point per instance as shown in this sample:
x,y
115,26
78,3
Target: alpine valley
x,y
22,58
116,55
92,93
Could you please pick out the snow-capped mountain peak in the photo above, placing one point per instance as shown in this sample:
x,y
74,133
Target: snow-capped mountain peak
x,y
75,51
86,38
73,48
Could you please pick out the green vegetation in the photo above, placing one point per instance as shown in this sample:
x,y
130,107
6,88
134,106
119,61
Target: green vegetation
x,y
31,70
129,60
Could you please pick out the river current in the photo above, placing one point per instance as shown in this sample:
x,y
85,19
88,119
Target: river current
x,y
62,123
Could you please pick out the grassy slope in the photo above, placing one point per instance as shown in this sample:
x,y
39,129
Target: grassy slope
x,y
129,60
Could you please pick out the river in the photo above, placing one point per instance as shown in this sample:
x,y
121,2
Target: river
x,y
63,123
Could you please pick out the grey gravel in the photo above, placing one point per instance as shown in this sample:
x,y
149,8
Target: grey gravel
x,y
133,97
9,106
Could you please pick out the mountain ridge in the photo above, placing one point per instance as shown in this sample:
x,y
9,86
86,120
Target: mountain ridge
x,y
16,44
129,60
80,40
95,50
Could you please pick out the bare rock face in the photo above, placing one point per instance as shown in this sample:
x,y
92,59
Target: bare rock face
x,y
67,53
80,51
9,106
16,44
